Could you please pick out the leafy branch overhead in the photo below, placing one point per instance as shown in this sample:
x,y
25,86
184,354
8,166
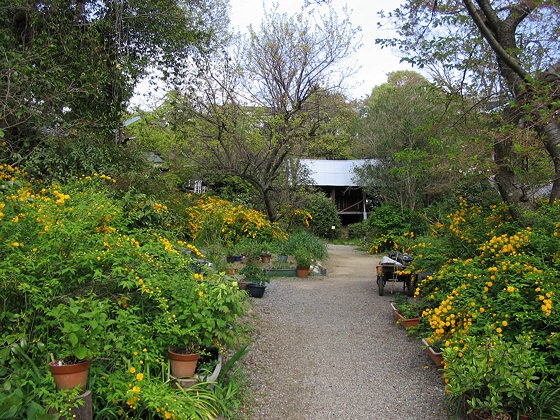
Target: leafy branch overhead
x,y
66,69
504,53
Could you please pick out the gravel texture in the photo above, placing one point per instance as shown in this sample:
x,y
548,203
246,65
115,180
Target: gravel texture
x,y
328,348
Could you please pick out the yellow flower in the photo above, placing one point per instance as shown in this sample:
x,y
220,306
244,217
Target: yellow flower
x,y
504,323
140,376
499,330
132,370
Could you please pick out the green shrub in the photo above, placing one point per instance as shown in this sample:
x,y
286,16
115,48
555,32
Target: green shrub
x,y
491,374
83,274
358,230
389,219
493,277
324,216
307,245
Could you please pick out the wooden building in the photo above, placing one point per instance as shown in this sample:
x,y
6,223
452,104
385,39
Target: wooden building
x,y
336,179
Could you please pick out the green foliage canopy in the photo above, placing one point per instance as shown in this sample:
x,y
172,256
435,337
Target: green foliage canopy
x,y
70,67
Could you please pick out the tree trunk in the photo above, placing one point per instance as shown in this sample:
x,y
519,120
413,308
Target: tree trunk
x,y
511,191
551,134
269,206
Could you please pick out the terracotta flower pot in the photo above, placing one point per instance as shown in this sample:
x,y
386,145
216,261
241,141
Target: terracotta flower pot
x,y
70,376
302,272
405,322
436,357
182,364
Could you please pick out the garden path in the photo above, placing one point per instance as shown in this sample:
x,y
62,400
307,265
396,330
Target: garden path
x,y
328,348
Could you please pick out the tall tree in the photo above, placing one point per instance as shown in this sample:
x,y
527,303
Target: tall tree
x,y
69,67
502,52
335,124
406,130
251,117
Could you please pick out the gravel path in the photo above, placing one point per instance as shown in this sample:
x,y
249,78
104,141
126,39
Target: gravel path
x,y
328,348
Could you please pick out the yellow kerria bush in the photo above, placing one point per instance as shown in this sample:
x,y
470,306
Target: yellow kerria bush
x,y
210,214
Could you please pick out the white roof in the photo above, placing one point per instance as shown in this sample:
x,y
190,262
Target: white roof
x,y
334,173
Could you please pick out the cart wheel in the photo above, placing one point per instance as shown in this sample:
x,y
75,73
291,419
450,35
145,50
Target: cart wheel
x,y
380,284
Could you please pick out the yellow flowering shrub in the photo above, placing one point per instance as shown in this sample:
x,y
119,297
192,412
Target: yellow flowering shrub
x,y
208,216
83,273
488,271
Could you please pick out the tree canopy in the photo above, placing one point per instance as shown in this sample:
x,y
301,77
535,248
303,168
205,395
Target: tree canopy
x,y
69,67
252,116
410,130
504,53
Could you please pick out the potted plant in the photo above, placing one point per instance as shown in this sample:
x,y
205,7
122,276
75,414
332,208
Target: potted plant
x,y
238,250
266,256
230,269
255,250
433,348
303,263
183,359
82,325
267,248
70,373
256,279
407,314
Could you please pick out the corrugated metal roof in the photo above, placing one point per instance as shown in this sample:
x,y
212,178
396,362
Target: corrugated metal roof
x,y
334,173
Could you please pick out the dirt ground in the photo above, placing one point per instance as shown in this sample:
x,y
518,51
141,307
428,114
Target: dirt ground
x,y
327,347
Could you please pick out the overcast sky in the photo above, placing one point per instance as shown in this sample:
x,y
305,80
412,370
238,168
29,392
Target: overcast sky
x,y
373,61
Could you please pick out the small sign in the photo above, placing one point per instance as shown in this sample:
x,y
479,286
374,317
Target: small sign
x,y
131,121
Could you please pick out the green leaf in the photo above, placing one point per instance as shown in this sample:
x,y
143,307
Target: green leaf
x,y
80,352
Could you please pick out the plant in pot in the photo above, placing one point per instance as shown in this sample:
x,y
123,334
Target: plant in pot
x,y
267,248
282,250
183,358
80,330
408,314
255,249
256,278
230,269
433,349
237,250
303,263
